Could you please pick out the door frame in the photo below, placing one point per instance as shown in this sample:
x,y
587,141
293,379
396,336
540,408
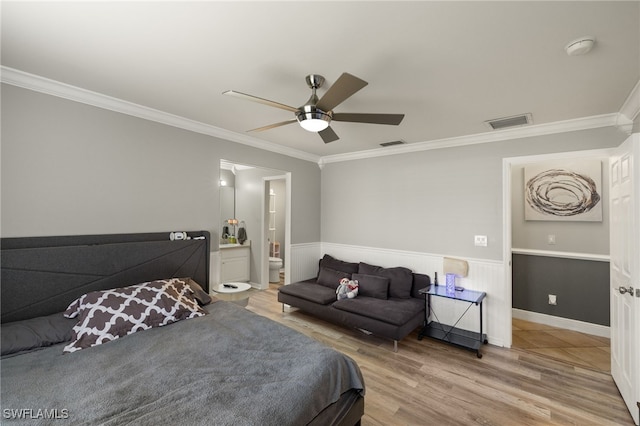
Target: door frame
x,y
264,266
507,247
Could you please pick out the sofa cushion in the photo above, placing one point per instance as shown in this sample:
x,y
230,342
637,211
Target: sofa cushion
x,y
392,311
309,291
400,279
372,285
331,278
329,261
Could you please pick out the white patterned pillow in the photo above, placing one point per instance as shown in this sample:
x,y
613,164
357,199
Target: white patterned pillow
x,y
109,314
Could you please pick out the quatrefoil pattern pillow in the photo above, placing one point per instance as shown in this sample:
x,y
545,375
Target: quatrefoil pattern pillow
x,y
107,315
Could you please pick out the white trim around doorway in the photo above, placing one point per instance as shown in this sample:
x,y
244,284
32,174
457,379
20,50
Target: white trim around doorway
x,y
507,163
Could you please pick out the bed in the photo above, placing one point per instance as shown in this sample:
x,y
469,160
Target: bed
x,y
227,366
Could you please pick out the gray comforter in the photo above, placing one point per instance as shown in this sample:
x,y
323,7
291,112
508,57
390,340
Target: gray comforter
x,y
231,367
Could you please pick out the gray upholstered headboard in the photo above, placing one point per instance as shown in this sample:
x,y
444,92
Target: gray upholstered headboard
x,y
43,275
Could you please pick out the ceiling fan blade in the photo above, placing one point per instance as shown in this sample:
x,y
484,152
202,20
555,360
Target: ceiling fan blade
x,y
393,119
272,126
345,86
252,98
328,135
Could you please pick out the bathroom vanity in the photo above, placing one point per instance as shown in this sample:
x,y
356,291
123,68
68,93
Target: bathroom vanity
x,y
235,262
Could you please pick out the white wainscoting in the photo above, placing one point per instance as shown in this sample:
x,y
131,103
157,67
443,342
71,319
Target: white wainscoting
x,y
303,261
214,268
563,254
484,275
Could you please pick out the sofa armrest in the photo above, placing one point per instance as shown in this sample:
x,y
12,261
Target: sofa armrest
x,y
420,281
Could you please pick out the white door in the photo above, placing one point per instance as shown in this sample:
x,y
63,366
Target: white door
x,y
625,284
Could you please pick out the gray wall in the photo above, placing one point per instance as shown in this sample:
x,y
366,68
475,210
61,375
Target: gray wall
x,y
581,287
578,237
279,187
434,201
229,177
249,197
227,200
70,168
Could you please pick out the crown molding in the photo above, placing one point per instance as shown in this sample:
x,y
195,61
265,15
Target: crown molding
x,y
631,107
605,120
622,120
62,90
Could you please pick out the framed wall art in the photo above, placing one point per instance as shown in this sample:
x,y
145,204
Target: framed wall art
x,y
563,191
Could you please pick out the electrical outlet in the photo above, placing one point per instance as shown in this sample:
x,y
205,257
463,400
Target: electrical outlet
x,y
551,239
480,240
552,299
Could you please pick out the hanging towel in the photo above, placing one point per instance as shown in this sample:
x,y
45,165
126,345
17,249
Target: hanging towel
x,y
242,235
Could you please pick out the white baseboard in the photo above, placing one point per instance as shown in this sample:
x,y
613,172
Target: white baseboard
x,y
569,324
257,286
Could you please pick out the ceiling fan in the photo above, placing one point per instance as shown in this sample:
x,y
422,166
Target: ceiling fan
x,y
317,113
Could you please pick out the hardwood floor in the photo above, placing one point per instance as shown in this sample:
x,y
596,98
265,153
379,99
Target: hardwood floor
x,y
565,345
431,383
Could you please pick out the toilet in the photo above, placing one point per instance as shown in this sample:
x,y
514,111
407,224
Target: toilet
x,y
275,263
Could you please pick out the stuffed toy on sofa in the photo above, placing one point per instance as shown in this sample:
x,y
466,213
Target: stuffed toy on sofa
x,y
348,289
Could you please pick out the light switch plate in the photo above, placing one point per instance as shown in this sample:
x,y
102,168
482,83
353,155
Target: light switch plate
x,y
480,240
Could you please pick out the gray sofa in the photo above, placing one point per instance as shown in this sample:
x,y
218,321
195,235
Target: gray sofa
x,y
388,303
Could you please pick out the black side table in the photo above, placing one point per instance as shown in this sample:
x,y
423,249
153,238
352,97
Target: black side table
x,y
449,333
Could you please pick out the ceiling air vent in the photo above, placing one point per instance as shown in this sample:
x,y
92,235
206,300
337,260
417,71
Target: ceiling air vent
x,y
506,122
392,143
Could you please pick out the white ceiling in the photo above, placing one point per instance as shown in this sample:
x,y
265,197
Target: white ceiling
x,y
449,66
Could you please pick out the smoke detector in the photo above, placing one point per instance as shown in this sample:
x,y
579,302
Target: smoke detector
x,y
580,46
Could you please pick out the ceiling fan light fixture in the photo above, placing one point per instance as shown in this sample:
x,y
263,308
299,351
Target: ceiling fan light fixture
x,y
317,113
314,121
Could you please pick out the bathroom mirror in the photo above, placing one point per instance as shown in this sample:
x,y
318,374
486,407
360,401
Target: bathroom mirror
x,y
227,204
227,194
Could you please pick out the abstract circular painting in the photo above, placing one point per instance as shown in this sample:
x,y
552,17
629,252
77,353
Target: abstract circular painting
x,y
563,193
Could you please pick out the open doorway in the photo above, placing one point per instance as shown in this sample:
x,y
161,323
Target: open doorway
x,y
276,228
533,248
245,203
